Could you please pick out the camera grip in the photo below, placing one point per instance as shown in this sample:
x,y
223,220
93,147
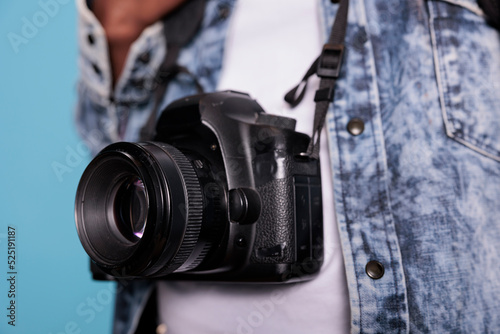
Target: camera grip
x,y
275,240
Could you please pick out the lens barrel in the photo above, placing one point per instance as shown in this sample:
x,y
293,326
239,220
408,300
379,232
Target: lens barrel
x,y
139,211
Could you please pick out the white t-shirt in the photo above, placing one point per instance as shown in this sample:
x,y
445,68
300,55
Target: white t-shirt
x,y
269,47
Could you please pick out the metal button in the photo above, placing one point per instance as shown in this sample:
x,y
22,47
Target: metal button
x,y
90,39
96,68
145,57
224,11
375,269
356,126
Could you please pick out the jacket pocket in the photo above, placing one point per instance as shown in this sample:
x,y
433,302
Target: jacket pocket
x,y
467,60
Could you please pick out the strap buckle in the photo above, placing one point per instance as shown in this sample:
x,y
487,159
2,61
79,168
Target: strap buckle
x,y
330,61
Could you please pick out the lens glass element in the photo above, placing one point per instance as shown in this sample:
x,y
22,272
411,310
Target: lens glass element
x,y
130,207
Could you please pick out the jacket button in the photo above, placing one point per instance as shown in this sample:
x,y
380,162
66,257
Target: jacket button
x,y
90,39
224,12
145,57
374,269
356,126
96,68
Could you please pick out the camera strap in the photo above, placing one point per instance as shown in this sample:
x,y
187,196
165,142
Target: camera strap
x,y
179,27
327,67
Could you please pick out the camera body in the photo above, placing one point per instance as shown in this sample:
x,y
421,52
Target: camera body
x,y
225,196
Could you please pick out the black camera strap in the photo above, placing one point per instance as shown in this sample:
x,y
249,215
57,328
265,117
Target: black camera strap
x,y
179,27
327,67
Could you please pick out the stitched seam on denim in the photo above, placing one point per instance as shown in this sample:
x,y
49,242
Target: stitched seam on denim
x,y
479,145
364,69
439,83
444,81
476,149
358,283
339,130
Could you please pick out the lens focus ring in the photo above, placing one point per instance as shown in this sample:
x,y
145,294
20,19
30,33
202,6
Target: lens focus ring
x,y
149,228
193,210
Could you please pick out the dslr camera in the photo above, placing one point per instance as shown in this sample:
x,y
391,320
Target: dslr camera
x,y
222,193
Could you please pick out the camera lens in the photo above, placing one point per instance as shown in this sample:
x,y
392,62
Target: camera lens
x,y
130,207
141,211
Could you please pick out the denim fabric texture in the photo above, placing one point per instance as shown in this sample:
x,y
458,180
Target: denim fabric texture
x,y
418,190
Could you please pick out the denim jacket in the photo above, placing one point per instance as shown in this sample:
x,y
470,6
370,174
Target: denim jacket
x,y
417,192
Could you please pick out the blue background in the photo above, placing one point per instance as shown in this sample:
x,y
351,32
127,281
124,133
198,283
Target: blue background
x,y
54,292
